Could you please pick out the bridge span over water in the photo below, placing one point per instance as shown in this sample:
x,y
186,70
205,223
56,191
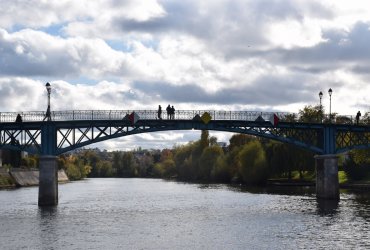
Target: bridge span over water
x,y
63,131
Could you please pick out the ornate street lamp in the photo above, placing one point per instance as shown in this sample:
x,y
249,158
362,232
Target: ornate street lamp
x,y
320,96
48,112
330,93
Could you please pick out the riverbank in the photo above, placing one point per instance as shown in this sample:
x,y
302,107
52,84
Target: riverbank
x,y
17,177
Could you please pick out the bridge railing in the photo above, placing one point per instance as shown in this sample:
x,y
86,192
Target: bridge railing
x,y
70,115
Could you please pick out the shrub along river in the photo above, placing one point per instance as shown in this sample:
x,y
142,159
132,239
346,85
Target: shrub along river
x,y
158,214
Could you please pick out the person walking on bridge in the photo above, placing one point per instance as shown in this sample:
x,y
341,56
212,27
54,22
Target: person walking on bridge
x,y
172,115
168,109
358,117
159,112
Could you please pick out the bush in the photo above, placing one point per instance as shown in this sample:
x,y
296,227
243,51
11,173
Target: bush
x,y
355,172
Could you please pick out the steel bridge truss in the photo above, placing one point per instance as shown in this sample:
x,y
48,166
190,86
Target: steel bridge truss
x,y
57,137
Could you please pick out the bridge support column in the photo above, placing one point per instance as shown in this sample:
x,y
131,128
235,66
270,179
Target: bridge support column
x,y
327,183
48,181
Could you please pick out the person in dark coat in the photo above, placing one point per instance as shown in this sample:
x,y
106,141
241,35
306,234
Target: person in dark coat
x,y
358,117
18,118
159,112
172,112
168,109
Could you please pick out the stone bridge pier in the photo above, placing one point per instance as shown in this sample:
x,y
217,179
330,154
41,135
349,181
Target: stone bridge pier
x,y
48,181
327,183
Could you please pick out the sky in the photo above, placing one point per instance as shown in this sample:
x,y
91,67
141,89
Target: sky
x,y
265,55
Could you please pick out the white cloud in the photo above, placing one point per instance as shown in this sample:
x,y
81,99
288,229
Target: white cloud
x,y
197,54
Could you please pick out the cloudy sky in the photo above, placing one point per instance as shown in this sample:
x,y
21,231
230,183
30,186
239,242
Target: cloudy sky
x,y
273,55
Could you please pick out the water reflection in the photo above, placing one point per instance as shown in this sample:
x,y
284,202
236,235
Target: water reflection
x,y
47,212
327,207
275,190
48,233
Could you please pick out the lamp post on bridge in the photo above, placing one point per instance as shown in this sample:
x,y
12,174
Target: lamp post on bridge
x,y
320,96
48,112
330,93
48,165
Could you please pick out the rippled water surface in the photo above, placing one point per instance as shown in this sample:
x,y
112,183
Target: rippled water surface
x,y
157,214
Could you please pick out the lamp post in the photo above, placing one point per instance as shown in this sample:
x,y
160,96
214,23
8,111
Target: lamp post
x,y
320,96
330,93
48,113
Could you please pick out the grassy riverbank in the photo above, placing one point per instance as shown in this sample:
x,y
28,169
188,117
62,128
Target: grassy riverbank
x,y
6,181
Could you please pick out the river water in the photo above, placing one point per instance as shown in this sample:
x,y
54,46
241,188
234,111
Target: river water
x,y
158,214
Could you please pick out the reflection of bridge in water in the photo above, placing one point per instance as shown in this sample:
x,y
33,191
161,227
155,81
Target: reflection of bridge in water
x,y
68,130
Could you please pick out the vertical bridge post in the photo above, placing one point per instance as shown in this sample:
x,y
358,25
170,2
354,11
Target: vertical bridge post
x,y
327,182
48,169
48,181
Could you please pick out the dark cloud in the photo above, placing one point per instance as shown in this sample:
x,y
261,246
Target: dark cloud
x,y
20,57
265,91
339,50
290,9
230,28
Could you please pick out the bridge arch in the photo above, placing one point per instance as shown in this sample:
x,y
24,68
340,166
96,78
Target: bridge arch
x,y
92,134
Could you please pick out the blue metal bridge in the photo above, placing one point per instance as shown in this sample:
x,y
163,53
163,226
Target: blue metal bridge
x,y
68,130
53,133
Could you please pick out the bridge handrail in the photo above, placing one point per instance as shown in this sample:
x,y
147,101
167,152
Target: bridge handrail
x,y
70,115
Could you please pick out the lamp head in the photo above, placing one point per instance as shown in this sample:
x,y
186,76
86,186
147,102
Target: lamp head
x,y
330,91
48,87
320,94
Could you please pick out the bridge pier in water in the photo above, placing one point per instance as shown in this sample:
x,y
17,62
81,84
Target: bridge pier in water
x,y
48,181
327,183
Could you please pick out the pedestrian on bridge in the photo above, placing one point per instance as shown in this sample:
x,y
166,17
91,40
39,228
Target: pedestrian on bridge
x,y
18,118
159,112
358,117
172,115
168,109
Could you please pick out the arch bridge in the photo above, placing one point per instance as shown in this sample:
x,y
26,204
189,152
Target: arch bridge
x,y
67,130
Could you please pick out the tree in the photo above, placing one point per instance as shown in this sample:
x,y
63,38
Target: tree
x,y
30,161
221,171
254,168
312,114
128,165
105,169
184,161
238,140
145,164
208,161
366,118
204,139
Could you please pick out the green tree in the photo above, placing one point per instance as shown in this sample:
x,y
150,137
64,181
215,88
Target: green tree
x,y
29,161
128,165
221,171
311,114
254,168
357,164
238,140
145,165
105,169
184,161
208,161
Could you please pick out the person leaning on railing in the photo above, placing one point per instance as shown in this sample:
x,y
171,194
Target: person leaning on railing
x,y
18,118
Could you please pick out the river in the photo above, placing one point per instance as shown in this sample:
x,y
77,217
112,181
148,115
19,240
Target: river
x,y
158,214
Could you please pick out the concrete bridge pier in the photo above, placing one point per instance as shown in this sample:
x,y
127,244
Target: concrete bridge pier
x,y
48,181
327,183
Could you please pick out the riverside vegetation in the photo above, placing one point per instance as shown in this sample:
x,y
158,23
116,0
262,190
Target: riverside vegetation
x,y
247,159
